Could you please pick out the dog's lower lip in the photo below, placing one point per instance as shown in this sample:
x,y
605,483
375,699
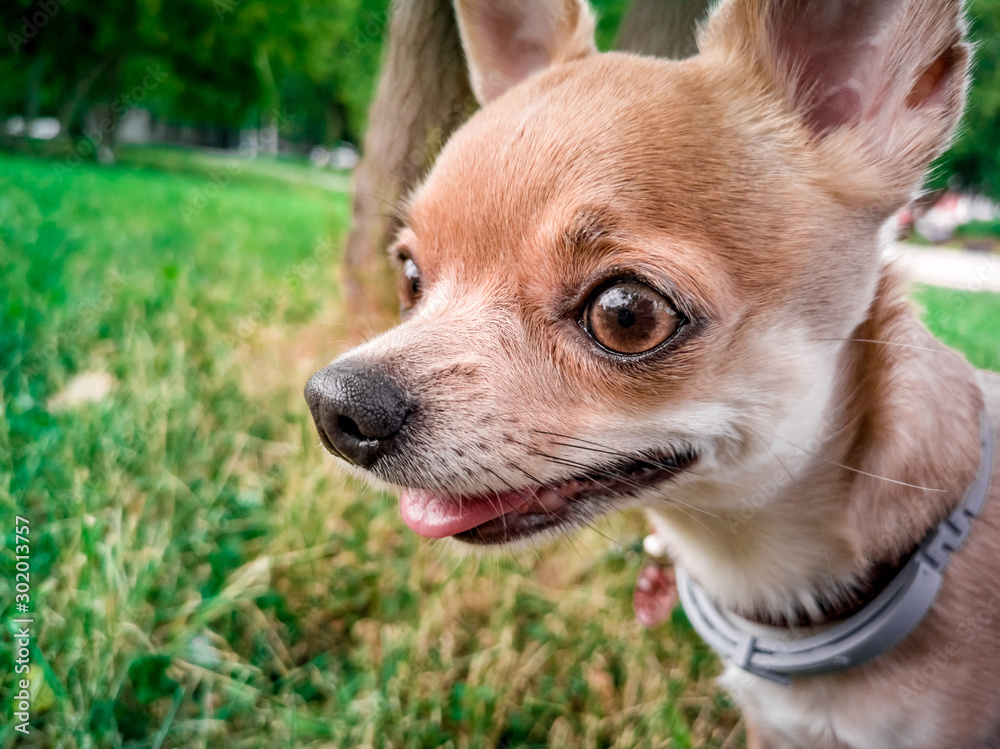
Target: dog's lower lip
x,y
516,514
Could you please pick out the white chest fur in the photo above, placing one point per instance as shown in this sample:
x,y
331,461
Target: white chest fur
x,y
827,714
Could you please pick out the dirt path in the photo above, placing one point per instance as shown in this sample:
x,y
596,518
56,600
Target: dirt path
x,y
954,269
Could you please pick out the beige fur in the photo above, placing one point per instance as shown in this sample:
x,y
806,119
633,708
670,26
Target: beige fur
x,y
753,183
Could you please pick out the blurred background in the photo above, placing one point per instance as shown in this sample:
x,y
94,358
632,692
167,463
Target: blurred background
x,y
175,193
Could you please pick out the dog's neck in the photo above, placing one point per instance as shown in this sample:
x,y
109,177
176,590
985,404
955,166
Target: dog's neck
x,y
898,447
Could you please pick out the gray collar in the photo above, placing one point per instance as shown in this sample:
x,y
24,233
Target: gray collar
x,y
871,631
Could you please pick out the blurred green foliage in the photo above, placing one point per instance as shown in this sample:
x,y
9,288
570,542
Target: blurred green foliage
x,y
974,160
309,66
226,63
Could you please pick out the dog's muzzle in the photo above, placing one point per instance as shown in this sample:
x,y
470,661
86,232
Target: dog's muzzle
x,y
359,411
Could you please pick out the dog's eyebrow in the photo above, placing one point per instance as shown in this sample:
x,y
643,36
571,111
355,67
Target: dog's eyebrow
x,y
588,228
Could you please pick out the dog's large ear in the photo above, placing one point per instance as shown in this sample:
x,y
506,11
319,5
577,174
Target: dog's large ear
x,y
507,40
881,79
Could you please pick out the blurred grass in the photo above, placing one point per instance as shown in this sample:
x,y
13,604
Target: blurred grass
x,y
202,576
224,167
966,320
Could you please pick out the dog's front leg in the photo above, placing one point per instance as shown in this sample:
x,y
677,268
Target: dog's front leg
x,y
762,736
755,737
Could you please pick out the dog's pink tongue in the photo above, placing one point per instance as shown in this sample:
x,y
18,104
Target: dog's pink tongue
x,y
436,515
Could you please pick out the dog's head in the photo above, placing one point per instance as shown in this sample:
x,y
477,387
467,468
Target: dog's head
x,y
627,280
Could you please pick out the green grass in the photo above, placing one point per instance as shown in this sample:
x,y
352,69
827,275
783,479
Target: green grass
x,y
201,576
265,171
966,320
983,230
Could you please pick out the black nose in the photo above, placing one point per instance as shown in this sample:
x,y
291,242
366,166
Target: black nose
x,y
358,410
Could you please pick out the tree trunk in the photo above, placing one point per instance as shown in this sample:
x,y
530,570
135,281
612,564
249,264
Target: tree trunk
x,y
662,28
70,106
34,89
104,115
269,118
423,95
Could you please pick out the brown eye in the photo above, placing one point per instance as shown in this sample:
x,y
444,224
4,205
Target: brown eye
x,y
409,283
631,318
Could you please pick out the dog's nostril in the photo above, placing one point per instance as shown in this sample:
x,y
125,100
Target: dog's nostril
x,y
348,426
358,410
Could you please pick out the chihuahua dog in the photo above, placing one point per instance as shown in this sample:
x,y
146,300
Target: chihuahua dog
x,y
637,282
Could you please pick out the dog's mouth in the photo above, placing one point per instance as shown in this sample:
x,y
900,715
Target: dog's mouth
x,y
500,518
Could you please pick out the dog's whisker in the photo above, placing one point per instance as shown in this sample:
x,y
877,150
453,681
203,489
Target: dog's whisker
x,y
583,521
678,503
511,488
588,469
580,466
807,500
651,461
359,292
610,450
585,448
596,447
864,473
639,487
685,509
882,343
360,333
560,461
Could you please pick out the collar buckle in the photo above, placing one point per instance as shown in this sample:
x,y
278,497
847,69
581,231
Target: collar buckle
x,y
946,539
